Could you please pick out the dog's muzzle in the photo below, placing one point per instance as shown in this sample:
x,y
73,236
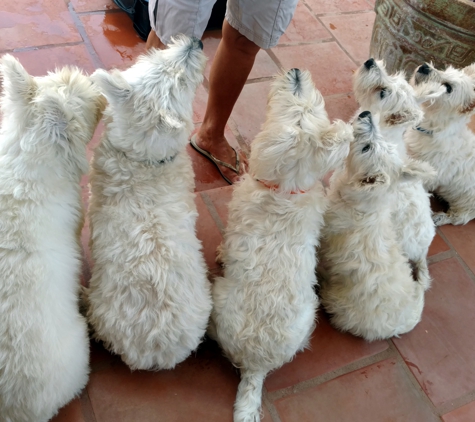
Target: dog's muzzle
x,y
424,69
368,64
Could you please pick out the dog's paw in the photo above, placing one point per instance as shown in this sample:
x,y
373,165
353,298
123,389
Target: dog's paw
x,y
440,218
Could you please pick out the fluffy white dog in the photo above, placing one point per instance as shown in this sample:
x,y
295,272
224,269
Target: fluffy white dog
x,y
264,307
149,297
444,140
369,290
394,100
44,348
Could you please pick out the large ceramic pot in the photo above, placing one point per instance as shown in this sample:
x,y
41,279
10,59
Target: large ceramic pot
x,y
408,33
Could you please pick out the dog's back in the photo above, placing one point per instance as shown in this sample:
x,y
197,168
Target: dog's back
x,y
444,140
149,296
369,290
44,349
264,307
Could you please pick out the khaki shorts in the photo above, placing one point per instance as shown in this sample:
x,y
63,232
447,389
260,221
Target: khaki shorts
x,y
261,21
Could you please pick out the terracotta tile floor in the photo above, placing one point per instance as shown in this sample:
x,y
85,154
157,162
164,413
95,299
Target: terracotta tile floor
x,y
426,375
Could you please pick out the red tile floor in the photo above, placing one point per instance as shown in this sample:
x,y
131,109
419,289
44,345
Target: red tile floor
x,y
426,375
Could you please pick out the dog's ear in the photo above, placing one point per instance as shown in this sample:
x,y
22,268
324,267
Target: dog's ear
x,y
17,83
470,70
405,116
370,182
56,118
338,132
468,108
418,170
429,91
113,85
171,123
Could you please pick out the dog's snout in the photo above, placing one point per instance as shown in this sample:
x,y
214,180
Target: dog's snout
x,y
197,42
369,63
295,74
424,69
364,115
296,71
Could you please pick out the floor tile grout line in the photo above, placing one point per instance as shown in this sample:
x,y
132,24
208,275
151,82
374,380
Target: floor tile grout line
x,y
339,95
98,12
270,406
349,13
467,269
87,42
441,256
86,406
299,43
237,134
41,47
373,6
331,375
213,211
317,17
457,403
413,379
341,46
261,79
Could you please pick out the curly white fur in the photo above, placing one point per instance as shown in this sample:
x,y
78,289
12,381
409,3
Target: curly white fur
x,y
149,296
44,349
394,100
369,290
264,306
445,141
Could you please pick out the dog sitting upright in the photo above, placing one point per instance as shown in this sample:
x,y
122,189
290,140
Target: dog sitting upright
x,y
264,307
44,348
444,140
394,100
149,297
369,289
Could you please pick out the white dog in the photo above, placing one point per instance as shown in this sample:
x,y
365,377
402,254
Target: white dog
x,y
264,307
149,297
394,100
44,348
444,140
370,291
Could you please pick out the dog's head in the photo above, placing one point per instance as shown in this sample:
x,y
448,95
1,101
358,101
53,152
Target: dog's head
x,y
390,96
374,165
447,95
55,114
297,144
150,104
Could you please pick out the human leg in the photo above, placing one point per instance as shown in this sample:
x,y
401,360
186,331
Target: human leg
x,y
232,64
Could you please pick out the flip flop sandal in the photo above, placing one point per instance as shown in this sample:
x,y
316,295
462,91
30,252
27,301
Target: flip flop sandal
x,y
215,160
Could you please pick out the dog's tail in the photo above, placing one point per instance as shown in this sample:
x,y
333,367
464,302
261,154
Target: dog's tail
x,y
420,272
248,400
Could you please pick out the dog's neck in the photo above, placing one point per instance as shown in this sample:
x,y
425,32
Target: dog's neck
x,y
452,129
372,206
395,136
154,163
276,188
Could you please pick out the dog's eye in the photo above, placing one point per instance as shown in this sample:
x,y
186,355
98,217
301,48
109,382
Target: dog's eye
x,y
366,148
448,86
383,93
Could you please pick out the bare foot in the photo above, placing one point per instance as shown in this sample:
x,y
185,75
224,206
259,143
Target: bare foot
x,y
154,42
219,148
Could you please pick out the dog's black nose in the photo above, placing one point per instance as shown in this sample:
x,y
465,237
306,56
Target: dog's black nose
x,y
296,71
200,44
197,41
425,69
369,63
364,114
